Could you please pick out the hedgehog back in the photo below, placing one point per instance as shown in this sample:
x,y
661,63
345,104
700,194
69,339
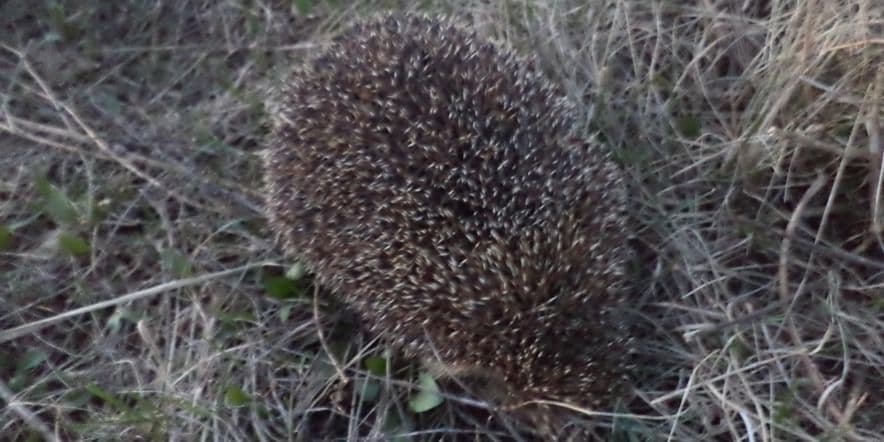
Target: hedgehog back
x,y
434,181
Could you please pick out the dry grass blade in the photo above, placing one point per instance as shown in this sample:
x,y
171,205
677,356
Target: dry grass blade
x,y
27,415
31,327
91,134
786,296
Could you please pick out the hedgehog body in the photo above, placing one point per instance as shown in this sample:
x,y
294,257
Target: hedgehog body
x,y
437,183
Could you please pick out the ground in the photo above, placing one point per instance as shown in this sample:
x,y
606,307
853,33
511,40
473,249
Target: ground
x,y
142,295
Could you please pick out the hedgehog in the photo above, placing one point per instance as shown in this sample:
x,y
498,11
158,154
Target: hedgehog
x,y
439,184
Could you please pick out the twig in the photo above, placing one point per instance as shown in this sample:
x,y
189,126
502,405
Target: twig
x,y
98,141
588,412
786,296
322,340
15,332
873,128
849,152
209,49
32,136
697,385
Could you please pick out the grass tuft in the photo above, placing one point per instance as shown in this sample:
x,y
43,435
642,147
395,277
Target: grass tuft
x,y
142,295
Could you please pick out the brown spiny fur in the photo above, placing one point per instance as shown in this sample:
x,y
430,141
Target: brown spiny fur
x,y
436,182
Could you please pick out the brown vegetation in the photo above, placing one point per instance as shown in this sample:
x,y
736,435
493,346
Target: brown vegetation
x,y
130,132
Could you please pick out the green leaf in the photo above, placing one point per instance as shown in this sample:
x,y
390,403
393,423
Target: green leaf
x,y
5,237
73,244
7,360
77,398
280,287
112,400
117,318
285,312
395,427
370,391
18,382
31,359
303,7
57,16
109,103
427,397
296,272
66,27
56,203
689,127
376,365
235,318
660,81
235,397
176,263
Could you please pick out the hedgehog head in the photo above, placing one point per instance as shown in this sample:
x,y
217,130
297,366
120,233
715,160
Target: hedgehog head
x,y
542,331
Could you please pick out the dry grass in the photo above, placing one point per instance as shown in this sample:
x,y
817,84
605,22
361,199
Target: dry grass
x,y
752,129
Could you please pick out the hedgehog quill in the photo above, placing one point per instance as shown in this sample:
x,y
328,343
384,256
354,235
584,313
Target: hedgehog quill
x,y
436,182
